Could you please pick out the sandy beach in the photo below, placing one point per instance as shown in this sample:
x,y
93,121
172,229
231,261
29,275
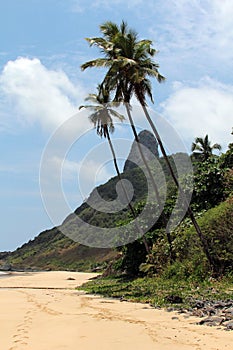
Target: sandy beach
x,y
43,311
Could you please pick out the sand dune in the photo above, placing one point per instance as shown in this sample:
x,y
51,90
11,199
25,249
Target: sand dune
x,y
43,311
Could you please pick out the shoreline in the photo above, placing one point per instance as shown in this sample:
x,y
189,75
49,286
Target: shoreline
x,y
4,273
36,317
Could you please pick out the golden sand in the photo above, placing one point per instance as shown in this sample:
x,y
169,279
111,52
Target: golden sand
x,y
43,311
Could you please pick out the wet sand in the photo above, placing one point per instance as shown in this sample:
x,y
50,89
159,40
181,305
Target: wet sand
x,y
43,311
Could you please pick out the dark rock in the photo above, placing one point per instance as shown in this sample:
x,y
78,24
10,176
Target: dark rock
x,y
182,311
70,279
199,304
229,325
209,310
222,304
198,313
229,310
170,309
219,313
147,139
173,299
228,314
6,267
212,321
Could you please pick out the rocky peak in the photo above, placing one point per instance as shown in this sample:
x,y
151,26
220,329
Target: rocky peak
x,y
147,139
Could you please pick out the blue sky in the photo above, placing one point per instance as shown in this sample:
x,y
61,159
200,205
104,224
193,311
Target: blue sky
x,y
41,87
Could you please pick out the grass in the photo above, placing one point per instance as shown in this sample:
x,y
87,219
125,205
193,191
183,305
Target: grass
x,y
157,291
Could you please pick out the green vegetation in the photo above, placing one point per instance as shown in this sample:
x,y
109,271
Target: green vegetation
x,y
202,149
160,291
52,250
135,277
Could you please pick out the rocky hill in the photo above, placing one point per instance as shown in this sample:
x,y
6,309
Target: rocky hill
x,y
52,249
146,138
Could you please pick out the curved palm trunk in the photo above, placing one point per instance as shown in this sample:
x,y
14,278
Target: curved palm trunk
x,y
125,193
155,188
190,212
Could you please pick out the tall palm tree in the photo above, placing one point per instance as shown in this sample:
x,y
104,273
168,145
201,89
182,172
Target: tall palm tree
x,y
117,44
203,148
125,55
130,62
102,120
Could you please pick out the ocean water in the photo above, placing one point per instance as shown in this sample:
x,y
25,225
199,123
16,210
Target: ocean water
x,y
2,274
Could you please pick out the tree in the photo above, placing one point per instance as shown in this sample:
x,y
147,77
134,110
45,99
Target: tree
x,y
129,62
202,148
208,182
102,120
124,54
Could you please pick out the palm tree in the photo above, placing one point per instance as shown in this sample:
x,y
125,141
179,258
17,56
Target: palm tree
x,y
121,41
202,147
125,55
102,120
130,62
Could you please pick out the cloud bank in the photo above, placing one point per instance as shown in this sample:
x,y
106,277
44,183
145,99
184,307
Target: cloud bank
x,y
35,94
199,109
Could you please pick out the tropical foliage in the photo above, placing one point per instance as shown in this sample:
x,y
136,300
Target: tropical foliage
x,y
202,148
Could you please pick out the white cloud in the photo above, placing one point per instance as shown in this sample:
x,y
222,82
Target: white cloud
x,y
179,24
202,109
195,28
194,37
34,94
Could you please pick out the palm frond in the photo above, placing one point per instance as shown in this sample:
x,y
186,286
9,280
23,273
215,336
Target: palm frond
x,y
116,114
217,146
109,29
99,62
100,42
129,62
91,107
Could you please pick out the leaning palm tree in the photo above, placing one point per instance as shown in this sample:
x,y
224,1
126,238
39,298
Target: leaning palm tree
x,y
103,122
202,147
130,62
124,52
121,41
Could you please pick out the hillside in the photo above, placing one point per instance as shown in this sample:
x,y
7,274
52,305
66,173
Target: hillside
x,y
53,250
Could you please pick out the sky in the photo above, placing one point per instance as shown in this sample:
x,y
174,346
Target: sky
x,y
48,146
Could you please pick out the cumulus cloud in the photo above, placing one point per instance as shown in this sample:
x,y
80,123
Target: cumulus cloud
x,y
205,108
35,94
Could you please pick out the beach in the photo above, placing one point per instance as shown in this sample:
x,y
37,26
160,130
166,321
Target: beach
x,y
43,311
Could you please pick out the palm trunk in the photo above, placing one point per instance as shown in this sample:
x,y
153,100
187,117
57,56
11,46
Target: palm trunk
x,y
190,212
155,188
125,193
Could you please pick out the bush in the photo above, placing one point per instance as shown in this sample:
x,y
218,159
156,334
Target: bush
x,y
217,227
